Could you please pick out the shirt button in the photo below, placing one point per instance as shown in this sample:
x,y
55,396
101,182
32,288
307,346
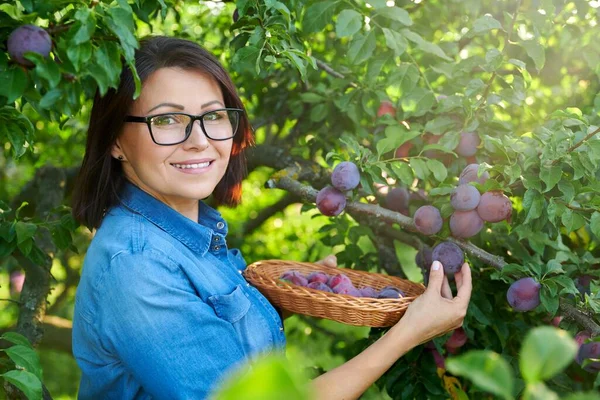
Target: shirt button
x,y
247,284
216,248
240,271
217,239
220,225
281,329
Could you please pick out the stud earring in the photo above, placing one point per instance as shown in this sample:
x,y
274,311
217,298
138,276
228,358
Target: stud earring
x,y
120,158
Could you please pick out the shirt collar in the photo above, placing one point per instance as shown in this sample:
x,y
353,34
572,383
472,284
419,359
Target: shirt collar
x,y
196,236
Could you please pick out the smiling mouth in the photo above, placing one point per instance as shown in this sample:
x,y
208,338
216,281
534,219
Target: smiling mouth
x,y
193,166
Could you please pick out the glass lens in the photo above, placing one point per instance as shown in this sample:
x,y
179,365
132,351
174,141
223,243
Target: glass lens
x,y
169,128
221,124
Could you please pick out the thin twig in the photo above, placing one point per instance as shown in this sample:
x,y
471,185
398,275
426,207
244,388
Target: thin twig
x,y
332,71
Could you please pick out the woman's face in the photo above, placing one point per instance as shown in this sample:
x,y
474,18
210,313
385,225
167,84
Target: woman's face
x,y
177,175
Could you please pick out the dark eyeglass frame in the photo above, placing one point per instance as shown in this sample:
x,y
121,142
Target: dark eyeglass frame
x,y
188,128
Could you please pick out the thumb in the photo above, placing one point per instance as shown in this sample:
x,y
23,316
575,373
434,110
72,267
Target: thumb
x,y
436,277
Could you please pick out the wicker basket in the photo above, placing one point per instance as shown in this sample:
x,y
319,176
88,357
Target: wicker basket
x,y
360,311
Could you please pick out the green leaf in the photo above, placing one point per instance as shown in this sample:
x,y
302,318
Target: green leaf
x,y
79,54
318,15
348,23
418,102
25,230
533,203
397,14
13,83
395,41
584,396
486,23
85,26
595,223
424,45
567,190
245,58
548,297
486,369
536,51
278,380
361,47
122,24
551,176
406,76
16,338
439,170
403,172
25,381
26,358
420,168
539,391
545,352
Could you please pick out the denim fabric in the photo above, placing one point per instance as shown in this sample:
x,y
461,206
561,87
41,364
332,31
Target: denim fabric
x,y
162,310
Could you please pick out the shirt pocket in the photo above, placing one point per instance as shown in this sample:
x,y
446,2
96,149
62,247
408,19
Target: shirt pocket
x,y
230,307
253,330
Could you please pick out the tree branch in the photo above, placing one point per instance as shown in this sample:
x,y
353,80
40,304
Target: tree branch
x,y
576,145
332,72
286,179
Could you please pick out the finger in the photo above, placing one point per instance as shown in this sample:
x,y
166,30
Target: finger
x,y
446,291
436,277
464,291
330,261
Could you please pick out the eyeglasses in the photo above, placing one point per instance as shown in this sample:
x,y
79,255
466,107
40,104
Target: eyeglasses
x,y
173,128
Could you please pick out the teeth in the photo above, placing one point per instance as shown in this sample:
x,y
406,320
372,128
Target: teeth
x,y
192,166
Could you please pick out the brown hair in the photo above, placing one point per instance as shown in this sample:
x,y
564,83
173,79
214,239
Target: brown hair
x,y
101,176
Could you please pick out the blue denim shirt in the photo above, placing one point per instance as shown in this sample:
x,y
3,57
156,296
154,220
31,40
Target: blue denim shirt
x,y
162,310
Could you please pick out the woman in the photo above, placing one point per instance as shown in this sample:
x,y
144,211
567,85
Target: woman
x,y
162,309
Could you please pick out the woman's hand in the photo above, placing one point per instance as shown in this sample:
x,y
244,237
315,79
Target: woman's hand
x,y
329,261
436,312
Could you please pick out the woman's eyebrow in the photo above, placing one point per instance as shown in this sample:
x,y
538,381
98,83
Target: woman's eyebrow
x,y
212,102
179,106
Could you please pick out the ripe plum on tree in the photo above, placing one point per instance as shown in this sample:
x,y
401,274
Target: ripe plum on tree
x,y
456,340
345,176
450,255
469,174
330,201
589,350
397,199
524,294
494,206
464,224
28,38
386,108
467,146
465,197
428,220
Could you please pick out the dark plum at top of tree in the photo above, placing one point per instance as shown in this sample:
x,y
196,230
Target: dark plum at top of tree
x,y
450,255
345,176
28,38
330,201
236,15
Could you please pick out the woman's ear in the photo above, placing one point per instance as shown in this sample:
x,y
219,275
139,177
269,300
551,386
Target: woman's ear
x,y
116,151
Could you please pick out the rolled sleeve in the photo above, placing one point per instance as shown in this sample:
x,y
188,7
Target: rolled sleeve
x,y
169,339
